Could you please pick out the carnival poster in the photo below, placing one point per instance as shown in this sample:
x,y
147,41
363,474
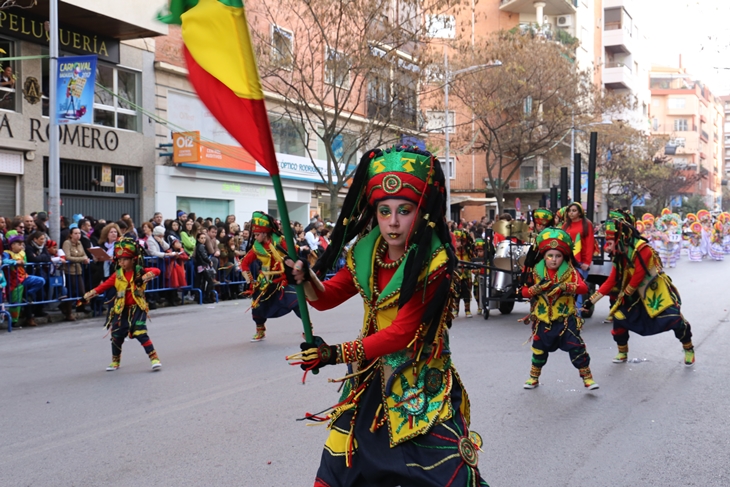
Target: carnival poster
x,y
76,80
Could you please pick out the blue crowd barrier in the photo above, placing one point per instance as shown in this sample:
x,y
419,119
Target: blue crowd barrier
x,y
61,286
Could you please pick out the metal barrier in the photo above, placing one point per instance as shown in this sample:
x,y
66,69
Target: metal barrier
x,y
61,286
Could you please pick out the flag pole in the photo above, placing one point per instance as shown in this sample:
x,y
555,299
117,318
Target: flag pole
x,y
292,251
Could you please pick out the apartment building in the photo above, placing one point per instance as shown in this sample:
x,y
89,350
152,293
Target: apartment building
x,y
726,139
693,117
562,21
117,146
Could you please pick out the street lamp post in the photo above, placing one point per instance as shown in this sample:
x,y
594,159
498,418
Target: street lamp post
x,y
448,76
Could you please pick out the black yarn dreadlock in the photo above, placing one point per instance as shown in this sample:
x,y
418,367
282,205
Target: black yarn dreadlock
x,y
626,234
356,218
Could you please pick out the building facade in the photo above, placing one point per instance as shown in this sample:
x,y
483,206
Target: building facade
x,y
692,117
107,168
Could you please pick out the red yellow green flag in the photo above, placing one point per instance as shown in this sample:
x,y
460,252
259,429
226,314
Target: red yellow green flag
x,y
222,69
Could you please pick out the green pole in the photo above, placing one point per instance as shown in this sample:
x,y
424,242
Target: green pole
x,y
292,250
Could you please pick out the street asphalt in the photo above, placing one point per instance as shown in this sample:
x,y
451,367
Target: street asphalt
x,y
223,411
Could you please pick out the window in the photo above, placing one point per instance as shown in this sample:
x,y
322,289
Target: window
x,y
336,69
393,90
8,77
282,46
115,97
655,124
681,125
677,141
452,167
344,148
441,26
288,135
677,102
527,105
435,121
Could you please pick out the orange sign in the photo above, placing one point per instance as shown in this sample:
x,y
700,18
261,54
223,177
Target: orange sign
x,y
185,147
225,157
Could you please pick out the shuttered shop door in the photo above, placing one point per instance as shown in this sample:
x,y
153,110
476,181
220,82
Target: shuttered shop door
x,y
109,208
7,196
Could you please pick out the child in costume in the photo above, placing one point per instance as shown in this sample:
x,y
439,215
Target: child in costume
x,y
648,302
464,247
273,297
555,323
694,233
20,283
716,250
128,315
403,418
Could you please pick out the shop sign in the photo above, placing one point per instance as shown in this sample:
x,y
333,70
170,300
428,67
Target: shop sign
x,y
75,80
185,147
119,183
299,168
79,135
30,28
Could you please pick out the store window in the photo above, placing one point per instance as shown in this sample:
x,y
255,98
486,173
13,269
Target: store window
x,y
8,76
290,137
206,207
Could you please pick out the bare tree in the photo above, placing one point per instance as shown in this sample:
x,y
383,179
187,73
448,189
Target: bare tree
x,y
525,108
634,164
345,71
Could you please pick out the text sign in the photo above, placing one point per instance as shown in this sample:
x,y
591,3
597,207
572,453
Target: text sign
x,y
185,147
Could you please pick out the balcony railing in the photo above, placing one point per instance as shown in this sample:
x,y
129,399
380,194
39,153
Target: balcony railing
x,y
704,136
618,65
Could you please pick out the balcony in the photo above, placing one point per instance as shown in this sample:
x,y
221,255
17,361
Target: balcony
x,y
395,113
617,76
704,136
617,38
552,7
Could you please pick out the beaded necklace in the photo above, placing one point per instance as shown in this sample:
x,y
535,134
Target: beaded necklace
x,y
380,253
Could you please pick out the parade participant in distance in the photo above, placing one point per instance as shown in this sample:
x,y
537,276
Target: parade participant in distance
x,y
648,303
20,283
555,323
479,253
273,297
128,315
580,230
404,415
464,249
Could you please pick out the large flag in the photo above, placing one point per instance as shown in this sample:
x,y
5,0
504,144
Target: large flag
x,y
222,69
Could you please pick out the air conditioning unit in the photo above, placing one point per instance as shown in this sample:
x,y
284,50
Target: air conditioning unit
x,y
565,21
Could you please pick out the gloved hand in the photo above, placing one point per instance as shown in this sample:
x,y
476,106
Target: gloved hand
x,y
300,268
563,288
315,355
587,305
90,295
540,288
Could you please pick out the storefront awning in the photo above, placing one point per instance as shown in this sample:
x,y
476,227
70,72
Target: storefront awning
x,y
471,201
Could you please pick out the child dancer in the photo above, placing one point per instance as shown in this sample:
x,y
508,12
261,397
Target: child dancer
x,y
556,324
128,315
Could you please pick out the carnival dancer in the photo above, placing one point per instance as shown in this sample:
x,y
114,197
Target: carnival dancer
x,y
273,297
479,253
705,220
542,219
580,230
716,250
673,233
694,232
404,415
555,323
725,219
464,248
128,315
648,302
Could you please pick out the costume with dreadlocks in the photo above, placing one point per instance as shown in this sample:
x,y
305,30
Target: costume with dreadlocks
x,y
273,297
464,253
128,314
403,418
648,303
555,323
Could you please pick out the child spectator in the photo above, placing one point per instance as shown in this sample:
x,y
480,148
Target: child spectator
x,y
19,280
175,272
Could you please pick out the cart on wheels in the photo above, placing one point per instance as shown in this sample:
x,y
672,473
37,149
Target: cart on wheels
x,y
500,277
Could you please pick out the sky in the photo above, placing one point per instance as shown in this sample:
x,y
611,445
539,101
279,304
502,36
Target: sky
x,y
698,29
